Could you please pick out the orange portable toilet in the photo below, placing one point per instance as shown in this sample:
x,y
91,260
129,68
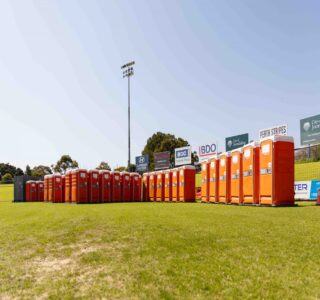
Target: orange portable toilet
x,y
224,177
167,185
251,173
135,187
236,191
125,186
50,188
93,186
277,171
187,184
68,186
57,188
40,191
115,186
214,180
79,186
105,186
160,186
145,187
63,178
152,186
205,183
175,184
45,194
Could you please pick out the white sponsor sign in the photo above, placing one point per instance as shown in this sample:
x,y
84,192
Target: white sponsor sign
x,y
207,151
182,156
275,130
302,190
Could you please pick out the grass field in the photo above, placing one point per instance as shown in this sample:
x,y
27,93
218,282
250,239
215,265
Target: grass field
x,y
6,192
158,251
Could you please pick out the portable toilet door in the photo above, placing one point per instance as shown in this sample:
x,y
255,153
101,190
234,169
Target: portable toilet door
x,y
45,194
68,186
160,186
50,188
40,191
63,178
175,185
277,171
145,187
205,181
93,186
187,184
28,191
105,186
57,188
152,186
125,186
236,194
135,187
224,177
115,186
167,185
79,186
251,173
214,180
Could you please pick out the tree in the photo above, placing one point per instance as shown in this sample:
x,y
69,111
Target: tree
x,y
64,164
7,178
160,142
28,170
7,168
120,169
40,171
103,166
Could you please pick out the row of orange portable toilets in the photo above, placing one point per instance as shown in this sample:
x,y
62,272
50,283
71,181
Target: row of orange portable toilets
x,y
257,174
176,185
82,186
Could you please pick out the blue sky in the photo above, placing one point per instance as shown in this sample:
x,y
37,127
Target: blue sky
x,y
204,70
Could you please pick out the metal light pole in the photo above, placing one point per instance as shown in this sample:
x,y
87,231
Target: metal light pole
x,y
128,72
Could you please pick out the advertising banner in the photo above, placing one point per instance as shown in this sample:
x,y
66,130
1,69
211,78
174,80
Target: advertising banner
x,y
310,130
306,190
161,160
275,130
142,163
207,151
182,156
237,141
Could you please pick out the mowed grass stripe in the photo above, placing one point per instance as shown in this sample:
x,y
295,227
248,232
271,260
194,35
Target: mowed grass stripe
x,y
159,250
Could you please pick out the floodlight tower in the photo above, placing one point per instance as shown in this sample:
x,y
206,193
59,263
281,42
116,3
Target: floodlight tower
x,y
128,72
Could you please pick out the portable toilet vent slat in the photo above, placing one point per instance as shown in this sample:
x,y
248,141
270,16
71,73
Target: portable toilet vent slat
x,y
224,177
79,186
277,171
205,167
236,191
251,173
105,186
187,184
214,180
168,185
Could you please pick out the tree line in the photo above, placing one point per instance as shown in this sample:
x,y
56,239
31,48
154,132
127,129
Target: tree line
x,y
158,142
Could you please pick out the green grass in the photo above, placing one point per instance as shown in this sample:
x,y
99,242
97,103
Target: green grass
x,y
6,192
158,251
307,171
